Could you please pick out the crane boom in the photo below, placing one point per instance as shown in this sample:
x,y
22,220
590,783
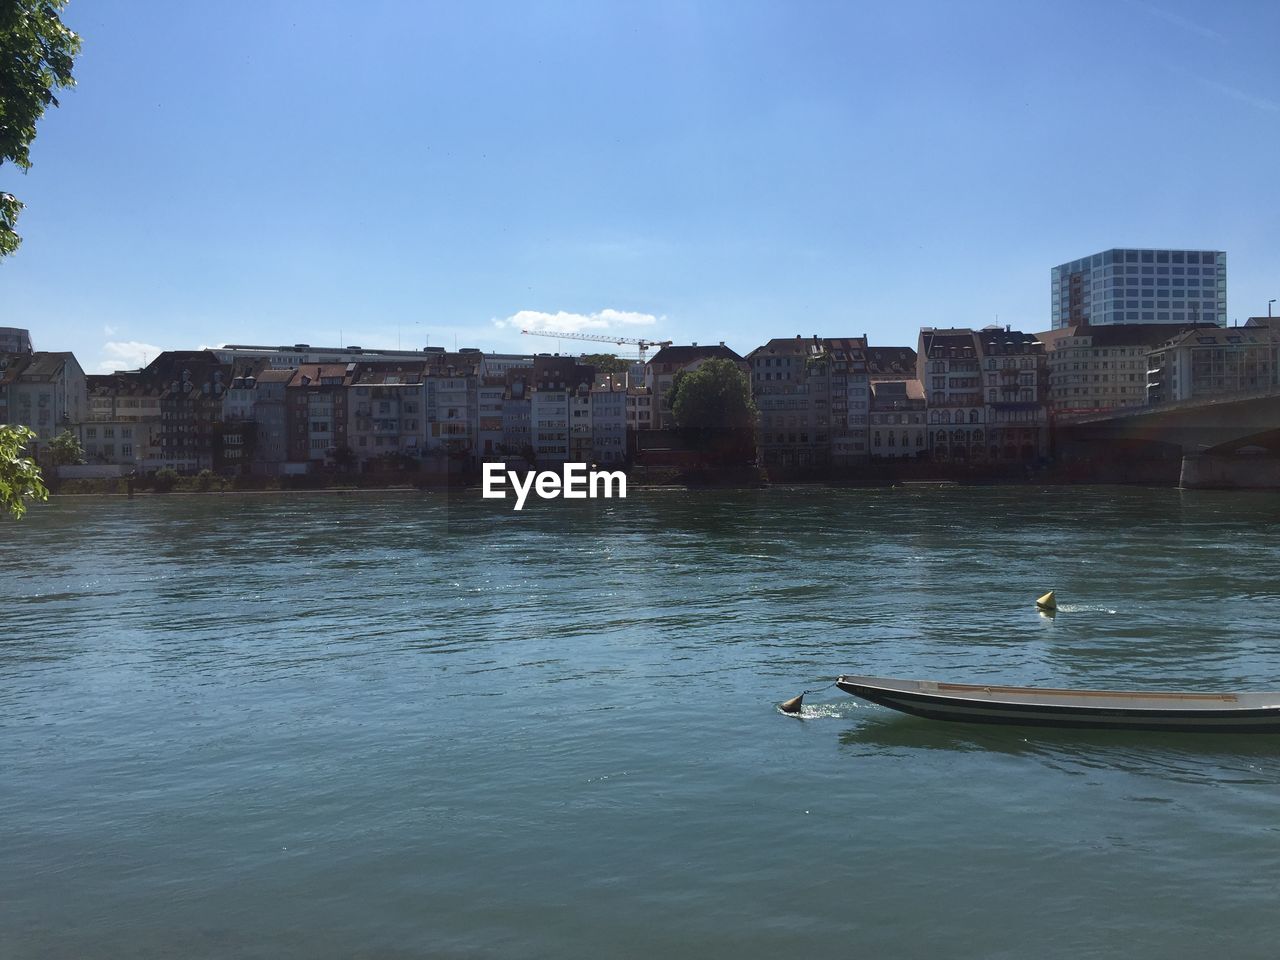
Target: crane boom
x,y
600,338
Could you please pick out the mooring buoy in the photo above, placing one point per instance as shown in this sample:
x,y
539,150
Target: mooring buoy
x,y
1047,602
793,705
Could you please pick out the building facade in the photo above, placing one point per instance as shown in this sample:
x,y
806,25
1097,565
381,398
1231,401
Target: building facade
x,y
1094,370
44,391
898,428
1140,286
561,389
316,400
122,420
385,412
609,421
1207,363
1016,382
948,367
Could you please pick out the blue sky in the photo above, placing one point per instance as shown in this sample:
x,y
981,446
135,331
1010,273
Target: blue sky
x,y
409,173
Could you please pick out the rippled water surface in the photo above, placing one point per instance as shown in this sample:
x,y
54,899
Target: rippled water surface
x,y
395,725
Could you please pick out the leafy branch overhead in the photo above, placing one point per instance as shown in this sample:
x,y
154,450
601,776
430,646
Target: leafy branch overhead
x,y
37,52
20,478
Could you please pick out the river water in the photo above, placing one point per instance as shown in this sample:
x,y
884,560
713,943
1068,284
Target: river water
x,y
404,725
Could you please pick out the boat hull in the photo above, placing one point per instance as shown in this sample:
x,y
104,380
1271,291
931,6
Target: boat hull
x,y
1084,709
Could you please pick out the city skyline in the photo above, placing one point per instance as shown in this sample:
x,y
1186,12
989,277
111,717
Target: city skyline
x,y
668,172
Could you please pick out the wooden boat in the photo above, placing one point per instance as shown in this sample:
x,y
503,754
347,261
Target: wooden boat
x,y
1094,709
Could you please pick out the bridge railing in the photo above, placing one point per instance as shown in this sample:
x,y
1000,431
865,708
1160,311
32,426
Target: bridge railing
x,y
1149,408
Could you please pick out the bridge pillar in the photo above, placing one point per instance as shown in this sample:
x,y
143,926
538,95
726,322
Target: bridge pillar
x,y
1209,472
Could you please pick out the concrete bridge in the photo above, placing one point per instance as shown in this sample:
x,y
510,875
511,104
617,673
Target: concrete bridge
x,y
1220,442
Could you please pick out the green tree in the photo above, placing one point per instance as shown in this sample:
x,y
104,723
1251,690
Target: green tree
x,y
20,478
66,449
606,363
713,409
36,55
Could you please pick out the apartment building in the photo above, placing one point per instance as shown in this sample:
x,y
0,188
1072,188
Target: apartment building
x,y
452,401
949,370
1206,363
791,385
255,437
609,421
517,413
44,391
1015,379
850,398
1094,370
316,412
639,408
898,428
386,411
122,420
559,386
490,394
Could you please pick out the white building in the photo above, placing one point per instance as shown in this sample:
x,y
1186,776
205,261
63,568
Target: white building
x,y
1212,362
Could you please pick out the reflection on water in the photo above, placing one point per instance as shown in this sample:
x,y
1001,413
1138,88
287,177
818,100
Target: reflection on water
x,y
1185,758
420,724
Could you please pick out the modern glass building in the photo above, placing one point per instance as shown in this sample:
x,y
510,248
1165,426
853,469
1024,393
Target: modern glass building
x,y
1141,286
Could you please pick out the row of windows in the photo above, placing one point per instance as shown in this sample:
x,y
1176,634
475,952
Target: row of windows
x,y
108,433
906,442
1112,316
108,449
1140,256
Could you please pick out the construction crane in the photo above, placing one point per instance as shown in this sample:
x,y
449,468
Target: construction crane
x,y
600,338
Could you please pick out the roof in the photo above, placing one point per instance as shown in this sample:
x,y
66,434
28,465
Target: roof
x,y
45,364
1219,336
389,373
12,365
122,383
682,355
1126,334
314,374
460,364
947,338
844,348
273,375
891,361
562,370
889,391
992,337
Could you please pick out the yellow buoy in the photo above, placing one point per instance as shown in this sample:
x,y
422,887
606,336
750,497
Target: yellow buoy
x,y
793,705
1047,602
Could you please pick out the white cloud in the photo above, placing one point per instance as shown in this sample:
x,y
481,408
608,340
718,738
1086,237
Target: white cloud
x,y
126,355
1261,103
603,321
1184,22
108,330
